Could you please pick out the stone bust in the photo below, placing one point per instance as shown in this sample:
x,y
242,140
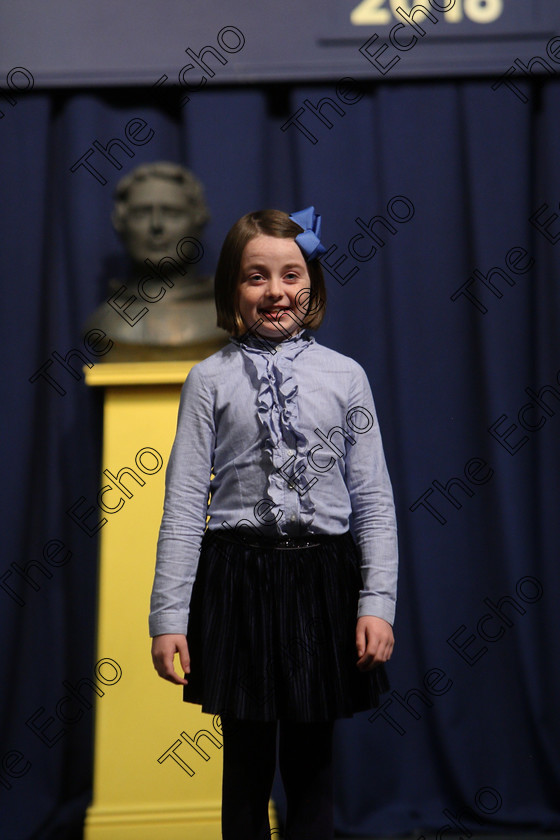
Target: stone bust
x,y
163,310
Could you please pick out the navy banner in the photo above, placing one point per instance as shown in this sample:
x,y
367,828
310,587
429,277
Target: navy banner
x,y
192,44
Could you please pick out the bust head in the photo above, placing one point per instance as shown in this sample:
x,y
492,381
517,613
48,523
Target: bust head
x,y
156,205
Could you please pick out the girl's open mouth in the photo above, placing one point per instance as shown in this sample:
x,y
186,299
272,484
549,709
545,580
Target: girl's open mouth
x,y
274,313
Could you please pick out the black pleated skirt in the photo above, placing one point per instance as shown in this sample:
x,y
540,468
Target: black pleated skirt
x,y
272,630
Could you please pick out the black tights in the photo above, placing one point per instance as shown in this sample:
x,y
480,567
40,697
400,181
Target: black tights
x,y
305,760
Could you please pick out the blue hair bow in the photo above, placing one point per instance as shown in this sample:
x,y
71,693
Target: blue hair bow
x,y
309,241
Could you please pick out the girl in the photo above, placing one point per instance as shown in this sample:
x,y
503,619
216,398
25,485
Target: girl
x,y
279,618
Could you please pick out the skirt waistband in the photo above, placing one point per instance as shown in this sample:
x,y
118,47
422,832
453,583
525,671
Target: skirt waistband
x,y
252,540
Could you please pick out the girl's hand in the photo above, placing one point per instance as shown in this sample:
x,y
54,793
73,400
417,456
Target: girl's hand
x,y
164,648
374,641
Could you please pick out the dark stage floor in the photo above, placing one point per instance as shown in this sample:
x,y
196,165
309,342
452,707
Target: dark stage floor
x,y
464,836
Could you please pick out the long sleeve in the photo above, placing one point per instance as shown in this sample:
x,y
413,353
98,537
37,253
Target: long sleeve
x,y
185,508
373,510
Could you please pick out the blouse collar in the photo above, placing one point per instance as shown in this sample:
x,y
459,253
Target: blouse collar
x,y
253,342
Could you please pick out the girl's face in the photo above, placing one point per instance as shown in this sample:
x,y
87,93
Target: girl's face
x,y
273,271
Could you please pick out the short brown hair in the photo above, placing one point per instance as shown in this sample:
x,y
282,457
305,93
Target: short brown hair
x,y
262,223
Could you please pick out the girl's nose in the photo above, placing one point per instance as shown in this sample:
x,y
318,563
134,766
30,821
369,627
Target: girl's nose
x,y
275,287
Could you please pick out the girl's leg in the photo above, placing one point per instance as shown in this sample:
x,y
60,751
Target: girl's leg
x,y
305,759
249,765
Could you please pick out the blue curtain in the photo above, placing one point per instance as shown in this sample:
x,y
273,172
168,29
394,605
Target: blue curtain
x,y
439,203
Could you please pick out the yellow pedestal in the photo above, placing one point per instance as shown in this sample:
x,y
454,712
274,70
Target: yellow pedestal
x,y
158,762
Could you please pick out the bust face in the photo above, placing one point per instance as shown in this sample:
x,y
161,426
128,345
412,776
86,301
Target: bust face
x,y
157,217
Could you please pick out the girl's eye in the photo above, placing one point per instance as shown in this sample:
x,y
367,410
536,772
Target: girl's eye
x,y
291,275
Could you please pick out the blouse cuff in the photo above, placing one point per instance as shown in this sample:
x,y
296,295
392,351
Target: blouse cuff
x,y
371,604
171,622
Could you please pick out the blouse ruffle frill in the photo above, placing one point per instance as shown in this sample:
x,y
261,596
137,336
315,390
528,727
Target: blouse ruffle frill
x,y
270,367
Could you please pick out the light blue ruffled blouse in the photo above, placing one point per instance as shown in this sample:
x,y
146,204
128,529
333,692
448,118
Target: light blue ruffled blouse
x,y
291,433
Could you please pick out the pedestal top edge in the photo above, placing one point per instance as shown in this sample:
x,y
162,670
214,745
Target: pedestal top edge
x,y
139,373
